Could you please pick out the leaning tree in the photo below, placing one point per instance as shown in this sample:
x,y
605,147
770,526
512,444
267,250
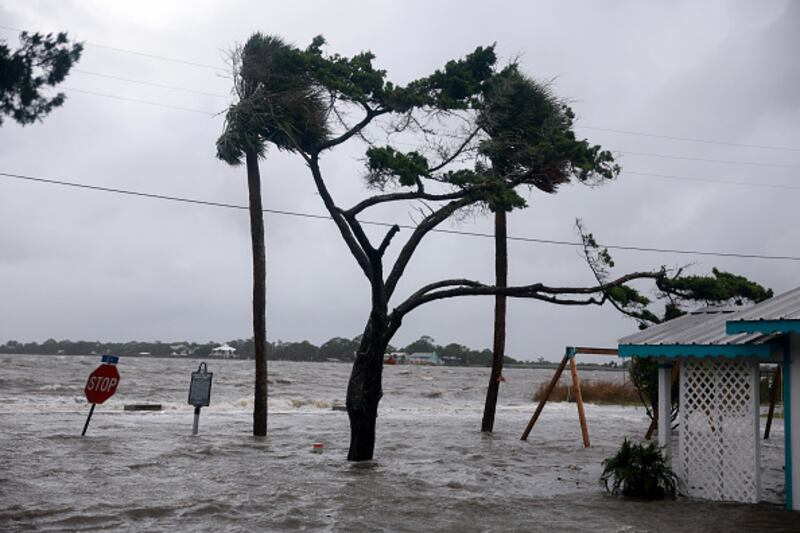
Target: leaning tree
x,y
527,132
276,103
720,289
456,166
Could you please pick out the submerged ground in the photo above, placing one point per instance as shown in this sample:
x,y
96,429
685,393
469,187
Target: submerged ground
x,y
433,468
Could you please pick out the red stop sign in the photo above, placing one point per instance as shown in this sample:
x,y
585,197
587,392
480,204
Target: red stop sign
x,y
102,383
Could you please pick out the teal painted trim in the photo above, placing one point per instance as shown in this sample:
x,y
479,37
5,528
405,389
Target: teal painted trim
x,y
762,326
787,425
570,352
694,350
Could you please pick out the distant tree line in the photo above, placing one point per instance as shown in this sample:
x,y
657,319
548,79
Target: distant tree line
x,y
335,349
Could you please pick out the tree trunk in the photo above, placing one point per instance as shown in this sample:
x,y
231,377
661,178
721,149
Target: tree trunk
x,y
259,294
501,280
364,389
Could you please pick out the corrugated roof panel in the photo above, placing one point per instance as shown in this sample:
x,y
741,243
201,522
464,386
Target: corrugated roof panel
x,y
785,306
707,326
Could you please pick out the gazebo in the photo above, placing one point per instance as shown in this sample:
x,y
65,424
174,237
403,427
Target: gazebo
x,y
720,350
224,351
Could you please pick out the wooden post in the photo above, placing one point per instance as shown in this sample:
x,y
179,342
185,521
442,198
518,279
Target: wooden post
x,y
773,398
544,399
579,400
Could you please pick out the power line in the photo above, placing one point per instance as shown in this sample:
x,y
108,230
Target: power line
x,y
137,101
596,128
713,180
726,161
403,226
690,139
142,82
142,54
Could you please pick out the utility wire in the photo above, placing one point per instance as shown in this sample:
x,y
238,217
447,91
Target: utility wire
x,y
142,54
141,82
690,139
403,226
713,180
596,128
725,161
137,101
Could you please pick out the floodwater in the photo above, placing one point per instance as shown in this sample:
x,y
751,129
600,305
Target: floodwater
x,y
434,470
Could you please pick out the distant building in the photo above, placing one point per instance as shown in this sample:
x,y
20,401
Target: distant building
x,y
394,358
179,350
424,358
224,351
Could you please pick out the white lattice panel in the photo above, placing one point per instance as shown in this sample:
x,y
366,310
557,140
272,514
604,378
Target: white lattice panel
x,y
719,454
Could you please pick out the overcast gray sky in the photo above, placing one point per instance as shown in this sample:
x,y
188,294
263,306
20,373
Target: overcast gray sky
x,y
79,264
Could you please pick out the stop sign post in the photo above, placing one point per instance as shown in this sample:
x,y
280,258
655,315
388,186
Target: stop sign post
x,y
101,385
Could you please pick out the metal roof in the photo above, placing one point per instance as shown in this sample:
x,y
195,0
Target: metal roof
x,y
704,326
703,333
785,306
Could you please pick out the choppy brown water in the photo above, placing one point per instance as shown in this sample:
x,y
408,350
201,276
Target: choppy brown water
x,y
433,471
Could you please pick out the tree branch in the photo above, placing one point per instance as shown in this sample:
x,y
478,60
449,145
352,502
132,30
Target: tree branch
x,y
555,295
371,114
419,194
338,217
388,238
427,224
359,234
456,153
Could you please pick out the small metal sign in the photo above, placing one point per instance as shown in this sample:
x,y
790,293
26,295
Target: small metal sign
x,y
200,387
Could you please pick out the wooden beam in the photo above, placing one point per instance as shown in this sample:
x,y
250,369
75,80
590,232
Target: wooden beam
x,y
579,400
773,398
544,399
596,351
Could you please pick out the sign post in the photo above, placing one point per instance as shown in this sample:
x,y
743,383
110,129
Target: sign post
x,y
200,392
101,385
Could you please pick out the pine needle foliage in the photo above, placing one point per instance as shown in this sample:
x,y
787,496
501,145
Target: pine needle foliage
x,y
530,139
41,61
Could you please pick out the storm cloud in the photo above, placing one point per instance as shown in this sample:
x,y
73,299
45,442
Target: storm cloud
x,y
82,264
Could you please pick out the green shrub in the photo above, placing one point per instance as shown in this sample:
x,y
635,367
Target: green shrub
x,y
639,471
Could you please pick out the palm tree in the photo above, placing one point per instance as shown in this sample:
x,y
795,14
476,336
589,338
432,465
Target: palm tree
x,y
276,103
639,471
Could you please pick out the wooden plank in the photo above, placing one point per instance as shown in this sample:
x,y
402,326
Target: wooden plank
x,y
544,399
579,400
596,351
773,398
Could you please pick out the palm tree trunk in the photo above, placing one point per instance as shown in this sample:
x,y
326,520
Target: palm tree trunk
x,y
501,280
259,294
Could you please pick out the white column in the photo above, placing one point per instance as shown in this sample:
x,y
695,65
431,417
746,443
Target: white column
x,y
664,405
755,382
